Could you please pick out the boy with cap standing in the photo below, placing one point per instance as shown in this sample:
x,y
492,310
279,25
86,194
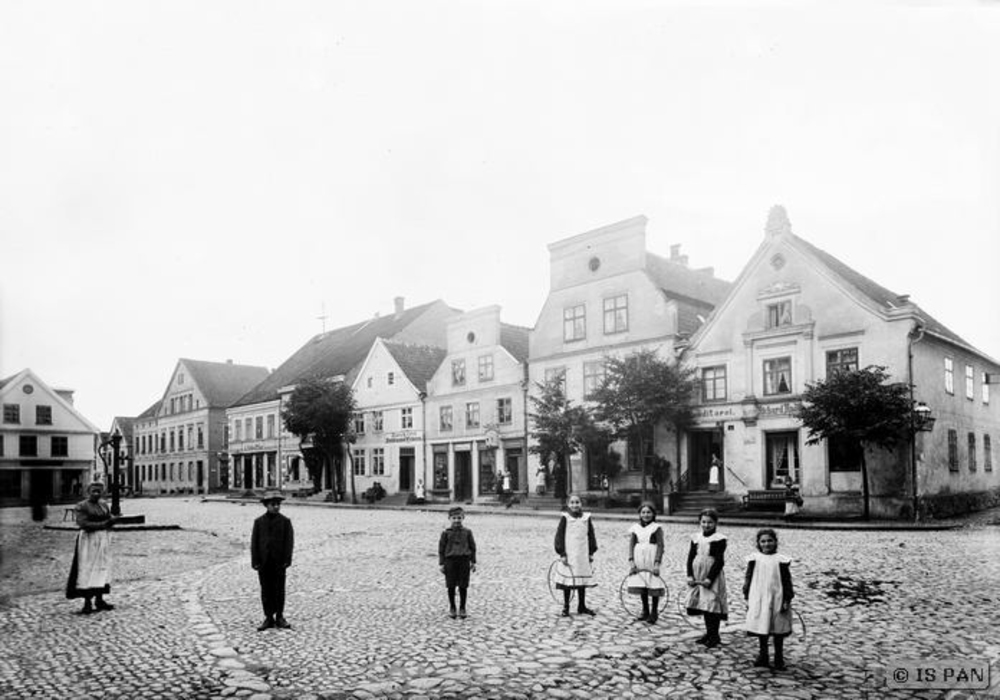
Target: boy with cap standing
x,y
457,556
270,554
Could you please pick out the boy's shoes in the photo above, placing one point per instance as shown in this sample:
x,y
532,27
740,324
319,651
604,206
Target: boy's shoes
x,y
644,617
87,609
761,662
267,624
653,617
452,614
101,605
282,623
712,642
779,664
703,639
564,613
461,613
586,611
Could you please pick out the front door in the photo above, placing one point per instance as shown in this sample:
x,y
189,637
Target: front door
x,y
463,476
514,466
704,445
406,459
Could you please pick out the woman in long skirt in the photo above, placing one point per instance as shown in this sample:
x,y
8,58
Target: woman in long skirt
x,y
90,574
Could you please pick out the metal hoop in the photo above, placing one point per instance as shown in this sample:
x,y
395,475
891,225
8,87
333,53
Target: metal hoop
x,y
551,580
624,595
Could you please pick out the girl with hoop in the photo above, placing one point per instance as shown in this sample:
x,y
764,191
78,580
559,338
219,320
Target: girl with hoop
x,y
575,544
645,553
706,579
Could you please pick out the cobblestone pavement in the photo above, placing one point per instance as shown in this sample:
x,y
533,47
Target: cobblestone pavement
x,y
368,610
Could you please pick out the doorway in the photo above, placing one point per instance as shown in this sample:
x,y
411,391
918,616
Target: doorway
x,y
463,476
704,445
406,459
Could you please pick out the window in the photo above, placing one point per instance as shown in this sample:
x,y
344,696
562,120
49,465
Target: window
x,y
504,411
369,382
778,376
970,383
440,470
486,368
359,462
987,454
593,377
180,440
239,430
713,383
28,446
43,415
11,413
953,450
472,414
173,441
556,374
446,418
458,372
259,428
163,441
1,445
972,452
986,387
406,418
574,323
190,442
949,375
840,361
270,425
60,446
616,314
248,428
173,405
359,423
390,378
201,438
378,461
377,421
779,314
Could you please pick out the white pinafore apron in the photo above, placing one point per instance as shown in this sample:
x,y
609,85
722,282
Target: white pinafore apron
x,y
580,572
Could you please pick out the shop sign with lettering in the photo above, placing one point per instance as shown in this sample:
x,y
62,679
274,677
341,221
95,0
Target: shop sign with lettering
x,y
716,413
786,408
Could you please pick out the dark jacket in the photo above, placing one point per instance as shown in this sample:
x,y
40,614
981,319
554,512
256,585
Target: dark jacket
x,y
272,542
457,542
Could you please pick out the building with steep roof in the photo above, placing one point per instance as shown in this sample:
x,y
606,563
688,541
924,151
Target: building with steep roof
x,y
608,295
47,447
180,442
126,457
475,410
390,388
796,315
275,458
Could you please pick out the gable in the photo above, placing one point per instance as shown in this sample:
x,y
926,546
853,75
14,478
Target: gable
x,y
28,391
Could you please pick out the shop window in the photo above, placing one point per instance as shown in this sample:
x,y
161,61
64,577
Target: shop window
x,y
487,471
616,314
713,383
441,470
778,376
574,323
782,453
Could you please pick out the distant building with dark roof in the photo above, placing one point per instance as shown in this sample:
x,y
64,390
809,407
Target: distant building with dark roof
x,y
475,424
272,458
179,443
797,315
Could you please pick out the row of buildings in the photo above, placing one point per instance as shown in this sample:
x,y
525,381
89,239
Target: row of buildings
x,y
444,395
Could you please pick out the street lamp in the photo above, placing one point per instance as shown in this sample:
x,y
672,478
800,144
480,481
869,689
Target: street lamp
x,y
921,421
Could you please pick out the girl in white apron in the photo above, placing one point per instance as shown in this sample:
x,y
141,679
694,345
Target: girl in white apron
x,y
645,552
575,545
768,592
706,579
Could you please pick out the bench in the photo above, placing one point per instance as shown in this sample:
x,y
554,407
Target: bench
x,y
766,499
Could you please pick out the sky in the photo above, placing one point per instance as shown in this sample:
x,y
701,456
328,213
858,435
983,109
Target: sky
x,y
206,180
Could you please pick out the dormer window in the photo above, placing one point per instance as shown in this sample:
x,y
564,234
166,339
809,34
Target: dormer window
x,y
779,314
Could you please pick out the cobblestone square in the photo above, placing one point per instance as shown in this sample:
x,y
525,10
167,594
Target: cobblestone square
x,y
369,612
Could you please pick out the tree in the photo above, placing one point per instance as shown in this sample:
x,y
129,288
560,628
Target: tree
x,y
640,391
320,410
861,408
559,430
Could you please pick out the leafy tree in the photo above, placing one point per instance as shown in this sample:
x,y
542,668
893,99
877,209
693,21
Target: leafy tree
x,y
861,408
321,410
559,430
640,391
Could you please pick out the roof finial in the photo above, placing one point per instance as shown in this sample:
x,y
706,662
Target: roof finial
x,y
777,222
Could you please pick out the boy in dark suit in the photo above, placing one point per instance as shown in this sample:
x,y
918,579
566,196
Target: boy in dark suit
x,y
457,556
270,554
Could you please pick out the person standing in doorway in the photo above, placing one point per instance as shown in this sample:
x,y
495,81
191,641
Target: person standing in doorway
x,y
271,545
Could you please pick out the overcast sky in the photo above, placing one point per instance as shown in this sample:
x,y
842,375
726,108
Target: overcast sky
x,y
192,179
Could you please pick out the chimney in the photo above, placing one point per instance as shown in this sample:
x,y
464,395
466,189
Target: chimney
x,y
398,302
777,222
676,257
66,395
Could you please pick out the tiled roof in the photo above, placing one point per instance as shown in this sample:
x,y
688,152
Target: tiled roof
x,y
3,382
150,412
876,292
681,282
333,353
514,339
222,383
125,424
418,362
